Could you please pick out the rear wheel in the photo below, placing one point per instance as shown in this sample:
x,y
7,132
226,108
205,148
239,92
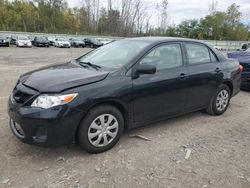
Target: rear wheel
x,y
101,129
220,101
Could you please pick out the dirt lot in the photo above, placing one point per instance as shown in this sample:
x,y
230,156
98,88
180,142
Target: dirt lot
x,y
220,146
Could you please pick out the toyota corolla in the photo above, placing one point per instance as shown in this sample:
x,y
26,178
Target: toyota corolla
x,y
122,85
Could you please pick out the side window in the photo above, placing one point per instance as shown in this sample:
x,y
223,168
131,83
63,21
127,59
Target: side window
x,y
197,54
213,57
164,57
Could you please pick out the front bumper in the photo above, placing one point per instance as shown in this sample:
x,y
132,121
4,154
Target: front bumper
x,y
245,80
64,45
79,44
43,44
44,127
24,44
4,44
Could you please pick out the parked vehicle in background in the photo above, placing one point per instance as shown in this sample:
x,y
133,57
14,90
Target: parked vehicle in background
x,y
75,42
62,43
41,41
244,58
245,46
31,39
52,41
92,43
105,41
4,41
122,85
218,48
23,41
13,40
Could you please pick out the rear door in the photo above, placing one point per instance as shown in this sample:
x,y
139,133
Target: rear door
x,y
205,74
164,93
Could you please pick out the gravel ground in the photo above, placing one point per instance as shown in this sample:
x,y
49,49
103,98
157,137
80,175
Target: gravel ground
x,y
219,146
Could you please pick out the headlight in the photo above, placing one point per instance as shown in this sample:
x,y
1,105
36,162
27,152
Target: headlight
x,y
48,101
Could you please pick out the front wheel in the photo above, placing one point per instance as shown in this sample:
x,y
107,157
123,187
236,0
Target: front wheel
x,y
220,101
101,129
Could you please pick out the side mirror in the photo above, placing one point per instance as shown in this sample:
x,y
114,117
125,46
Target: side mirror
x,y
146,69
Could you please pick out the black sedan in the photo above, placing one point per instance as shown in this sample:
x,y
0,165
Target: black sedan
x,y
122,85
92,43
41,41
4,41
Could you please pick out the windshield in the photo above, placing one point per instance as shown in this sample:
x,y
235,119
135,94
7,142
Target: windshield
x,y
94,40
41,38
23,38
114,55
77,40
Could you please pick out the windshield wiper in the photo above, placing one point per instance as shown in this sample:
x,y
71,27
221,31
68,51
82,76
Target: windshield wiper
x,y
90,64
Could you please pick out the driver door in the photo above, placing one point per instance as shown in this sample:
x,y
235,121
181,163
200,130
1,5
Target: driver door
x,y
164,93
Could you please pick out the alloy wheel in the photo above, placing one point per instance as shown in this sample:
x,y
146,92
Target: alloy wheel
x,y
222,100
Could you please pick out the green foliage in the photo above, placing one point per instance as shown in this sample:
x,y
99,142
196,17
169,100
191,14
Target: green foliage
x,y
216,26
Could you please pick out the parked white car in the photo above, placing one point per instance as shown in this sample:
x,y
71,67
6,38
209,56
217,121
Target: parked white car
x,y
62,43
23,41
52,41
105,41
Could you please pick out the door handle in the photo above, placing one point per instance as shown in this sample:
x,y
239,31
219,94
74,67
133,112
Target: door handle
x,y
182,76
217,70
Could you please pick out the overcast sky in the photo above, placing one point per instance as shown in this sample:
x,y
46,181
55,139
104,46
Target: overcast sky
x,y
179,10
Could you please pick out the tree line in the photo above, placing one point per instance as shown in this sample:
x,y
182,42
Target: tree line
x,y
118,18
215,26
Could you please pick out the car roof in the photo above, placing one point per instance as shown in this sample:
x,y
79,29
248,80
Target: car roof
x,y
162,39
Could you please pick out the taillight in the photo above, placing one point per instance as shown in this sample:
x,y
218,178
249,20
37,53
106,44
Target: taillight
x,y
241,68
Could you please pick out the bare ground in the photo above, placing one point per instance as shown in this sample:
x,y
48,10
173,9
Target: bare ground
x,y
220,146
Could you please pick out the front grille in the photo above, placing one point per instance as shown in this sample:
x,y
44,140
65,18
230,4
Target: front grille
x,y
20,97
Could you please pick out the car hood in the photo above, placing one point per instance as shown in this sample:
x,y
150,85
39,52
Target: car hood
x,y
26,41
63,42
43,41
78,42
60,77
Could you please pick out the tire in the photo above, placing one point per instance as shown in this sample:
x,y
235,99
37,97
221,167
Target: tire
x,y
86,130
218,108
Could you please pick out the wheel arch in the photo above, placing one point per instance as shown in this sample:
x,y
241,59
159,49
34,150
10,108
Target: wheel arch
x,y
113,102
230,85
